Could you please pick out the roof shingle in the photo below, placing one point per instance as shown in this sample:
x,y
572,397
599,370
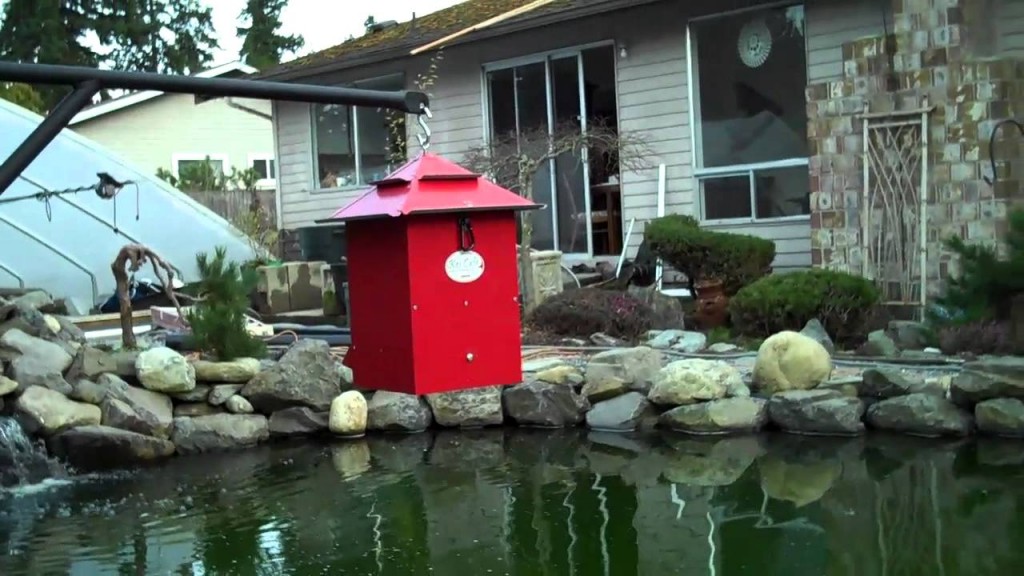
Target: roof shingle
x,y
424,29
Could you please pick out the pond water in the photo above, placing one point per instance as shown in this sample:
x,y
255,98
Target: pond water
x,y
530,503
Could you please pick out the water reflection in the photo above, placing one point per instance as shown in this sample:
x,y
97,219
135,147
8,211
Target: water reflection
x,y
545,503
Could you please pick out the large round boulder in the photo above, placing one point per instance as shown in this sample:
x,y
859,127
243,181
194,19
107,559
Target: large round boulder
x,y
791,361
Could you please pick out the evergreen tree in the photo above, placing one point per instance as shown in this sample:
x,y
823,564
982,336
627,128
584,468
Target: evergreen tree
x,y
217,320
23,95
139,35
263,47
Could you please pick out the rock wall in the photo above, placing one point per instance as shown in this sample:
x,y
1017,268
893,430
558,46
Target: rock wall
x,y
939,53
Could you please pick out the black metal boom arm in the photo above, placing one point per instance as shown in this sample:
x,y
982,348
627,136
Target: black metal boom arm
x,y
88,81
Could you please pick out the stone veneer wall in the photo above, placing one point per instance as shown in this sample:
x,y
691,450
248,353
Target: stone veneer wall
x,y
938,54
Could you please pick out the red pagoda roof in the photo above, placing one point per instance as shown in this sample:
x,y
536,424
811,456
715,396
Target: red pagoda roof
x,y
430,183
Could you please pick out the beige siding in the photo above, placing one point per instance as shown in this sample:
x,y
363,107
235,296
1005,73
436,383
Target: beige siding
x,y
150,133
652,95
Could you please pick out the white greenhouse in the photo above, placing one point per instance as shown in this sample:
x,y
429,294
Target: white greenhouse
x,y
66,245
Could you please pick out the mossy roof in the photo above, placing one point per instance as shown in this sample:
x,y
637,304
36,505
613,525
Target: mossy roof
x,y
424,29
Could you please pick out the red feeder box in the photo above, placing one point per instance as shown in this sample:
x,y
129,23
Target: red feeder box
x,y
433,281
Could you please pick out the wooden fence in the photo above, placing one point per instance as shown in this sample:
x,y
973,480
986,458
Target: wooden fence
x,y
230,204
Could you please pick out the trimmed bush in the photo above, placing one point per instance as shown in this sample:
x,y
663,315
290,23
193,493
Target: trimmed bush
x,y
841,302
736,259
585,311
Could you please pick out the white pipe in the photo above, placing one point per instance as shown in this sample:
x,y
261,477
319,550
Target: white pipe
x,y
658,270
625,245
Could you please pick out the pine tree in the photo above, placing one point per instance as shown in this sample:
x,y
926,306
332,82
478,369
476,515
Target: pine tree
x,y
217,320
263,47
23,95
139,35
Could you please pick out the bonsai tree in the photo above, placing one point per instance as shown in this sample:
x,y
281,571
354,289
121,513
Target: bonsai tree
x,y
513,161
217,319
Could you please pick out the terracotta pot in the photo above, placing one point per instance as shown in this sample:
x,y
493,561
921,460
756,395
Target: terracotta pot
x,y
712,304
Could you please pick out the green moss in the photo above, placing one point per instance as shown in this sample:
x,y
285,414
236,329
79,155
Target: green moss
x,y
423,29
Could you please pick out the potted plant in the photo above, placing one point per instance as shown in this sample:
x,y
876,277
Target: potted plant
x,y
712,302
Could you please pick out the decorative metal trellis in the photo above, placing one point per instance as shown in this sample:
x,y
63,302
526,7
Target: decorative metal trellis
x,y
894,215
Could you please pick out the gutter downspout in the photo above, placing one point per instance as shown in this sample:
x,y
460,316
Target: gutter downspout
x,y
232,104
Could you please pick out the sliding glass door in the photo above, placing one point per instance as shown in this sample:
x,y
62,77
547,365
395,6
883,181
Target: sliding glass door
x,y
534,103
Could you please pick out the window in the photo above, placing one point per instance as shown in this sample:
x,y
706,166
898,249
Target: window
x,y
193,162
533,98
265,167
357,145
749,73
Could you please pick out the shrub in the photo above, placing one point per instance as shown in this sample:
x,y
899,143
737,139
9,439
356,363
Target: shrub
x,y
987,285
841,302
585,311
217,320
977,337
736,259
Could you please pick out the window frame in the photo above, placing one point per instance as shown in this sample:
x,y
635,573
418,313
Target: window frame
x,y
314,153
270,181
700,173
197,157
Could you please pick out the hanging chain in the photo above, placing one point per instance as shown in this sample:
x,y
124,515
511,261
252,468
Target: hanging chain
x,y
424,137
107,188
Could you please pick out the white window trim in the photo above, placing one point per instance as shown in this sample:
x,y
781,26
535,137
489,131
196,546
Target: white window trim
x,y
197,157
700,172
264,182
546,57
316,188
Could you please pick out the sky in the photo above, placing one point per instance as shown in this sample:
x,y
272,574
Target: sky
x,y
322,23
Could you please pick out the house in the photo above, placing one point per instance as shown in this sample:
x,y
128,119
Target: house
x,y
155,130
852,133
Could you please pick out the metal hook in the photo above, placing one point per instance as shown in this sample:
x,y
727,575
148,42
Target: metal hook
x,y
424,138
992,145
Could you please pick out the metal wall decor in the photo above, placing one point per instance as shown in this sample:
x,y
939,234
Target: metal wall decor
x,y
755,43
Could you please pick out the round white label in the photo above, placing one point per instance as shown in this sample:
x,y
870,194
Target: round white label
x,y
464,267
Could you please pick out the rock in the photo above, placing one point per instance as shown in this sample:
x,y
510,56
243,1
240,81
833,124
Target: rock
x,y
620,414
825,412
920,414
723,348
696,380
891,382
34,300
668,311
220,393
52,324
1000,417
1001,377
297,421
195,409
201,393
97,392
35,371
307,375
564,375
879,344
164,370
43,411
468,408
790,361
908,335
541,364
690,343
7,385
137,410
662,339
544,405
92,362
725,416
397,412
238,405
69,330
605,341
845,385
348,414
219,432
94,446
48,354
604,389
816,331
237,371
635,368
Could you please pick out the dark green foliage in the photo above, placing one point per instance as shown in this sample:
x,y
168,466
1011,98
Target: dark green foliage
x,y
218,319
262,45
582,312
735,259
841,302
139,35
987,284
978,337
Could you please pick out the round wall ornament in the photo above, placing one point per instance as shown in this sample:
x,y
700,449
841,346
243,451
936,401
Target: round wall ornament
x,y
755,43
